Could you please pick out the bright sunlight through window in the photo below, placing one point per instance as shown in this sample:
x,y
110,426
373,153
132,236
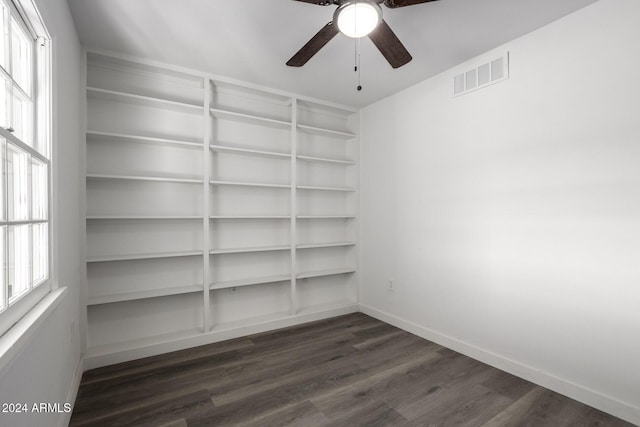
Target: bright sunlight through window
x,y
24,164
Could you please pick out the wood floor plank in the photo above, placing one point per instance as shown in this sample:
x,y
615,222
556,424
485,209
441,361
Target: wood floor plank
x,y
352,370
441,398
465,408
176,423
427,379
508,385
302,414
346,401
375,414
515,413
541,407
151,415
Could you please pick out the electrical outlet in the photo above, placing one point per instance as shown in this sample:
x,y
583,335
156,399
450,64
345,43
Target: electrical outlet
x,y
391,285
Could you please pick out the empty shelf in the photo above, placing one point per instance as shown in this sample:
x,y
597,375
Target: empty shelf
x,y
250,217
327,272
131,257
152,293
250,184
251,321
248,151
148,139
250,118
122,346
309,187
327,132
149,101
249,249
325,216
140,217
325,160
144,178
325,245
250,281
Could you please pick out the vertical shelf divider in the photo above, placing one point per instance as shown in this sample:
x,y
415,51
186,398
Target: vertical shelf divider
x,y
206,142
294,203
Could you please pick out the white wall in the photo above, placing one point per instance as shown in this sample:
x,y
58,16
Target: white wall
x,y
45,370
510,217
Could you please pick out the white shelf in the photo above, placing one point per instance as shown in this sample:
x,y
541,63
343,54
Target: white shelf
x,y
309,187
326,132
249,217
249,249
327,272
154,293
325,245
328,307
326,216
142,343
250,281
148,101
250,184
139,217
248,151
143,178
131,257
252,321
138,138
325,160
249,118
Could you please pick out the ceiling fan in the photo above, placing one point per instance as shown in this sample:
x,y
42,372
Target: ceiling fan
x,y
358,18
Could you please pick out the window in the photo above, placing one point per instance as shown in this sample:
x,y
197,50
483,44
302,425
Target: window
x,y
25,169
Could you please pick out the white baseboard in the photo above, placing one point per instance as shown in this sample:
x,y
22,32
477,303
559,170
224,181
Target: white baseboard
x,y
608,404
65,418
99,360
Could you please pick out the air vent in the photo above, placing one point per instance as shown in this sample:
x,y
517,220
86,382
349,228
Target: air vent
x,y
481,76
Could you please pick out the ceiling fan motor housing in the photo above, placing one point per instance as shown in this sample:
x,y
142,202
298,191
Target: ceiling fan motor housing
x,y
357,18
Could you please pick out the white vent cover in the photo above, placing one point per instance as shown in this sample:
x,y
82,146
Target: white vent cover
x,y
484,75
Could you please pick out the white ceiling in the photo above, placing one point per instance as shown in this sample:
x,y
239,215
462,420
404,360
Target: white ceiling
x,y
251,40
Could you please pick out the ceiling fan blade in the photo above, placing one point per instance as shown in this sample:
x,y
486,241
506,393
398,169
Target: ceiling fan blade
x,y
401,3
389,45
312,47
318,2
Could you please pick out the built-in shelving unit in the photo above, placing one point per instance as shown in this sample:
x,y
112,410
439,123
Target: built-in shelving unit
x,y
214,208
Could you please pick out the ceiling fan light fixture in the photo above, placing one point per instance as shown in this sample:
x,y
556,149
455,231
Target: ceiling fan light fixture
x,y
357,19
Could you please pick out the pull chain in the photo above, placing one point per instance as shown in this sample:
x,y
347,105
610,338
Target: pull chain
x,y
356,50
358,67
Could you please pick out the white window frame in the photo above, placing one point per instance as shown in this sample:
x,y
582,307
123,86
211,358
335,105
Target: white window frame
x,y
41,95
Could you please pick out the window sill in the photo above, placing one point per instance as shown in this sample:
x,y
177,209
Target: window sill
x,y
20,334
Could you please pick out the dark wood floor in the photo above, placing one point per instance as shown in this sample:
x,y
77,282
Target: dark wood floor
x,y
348,371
